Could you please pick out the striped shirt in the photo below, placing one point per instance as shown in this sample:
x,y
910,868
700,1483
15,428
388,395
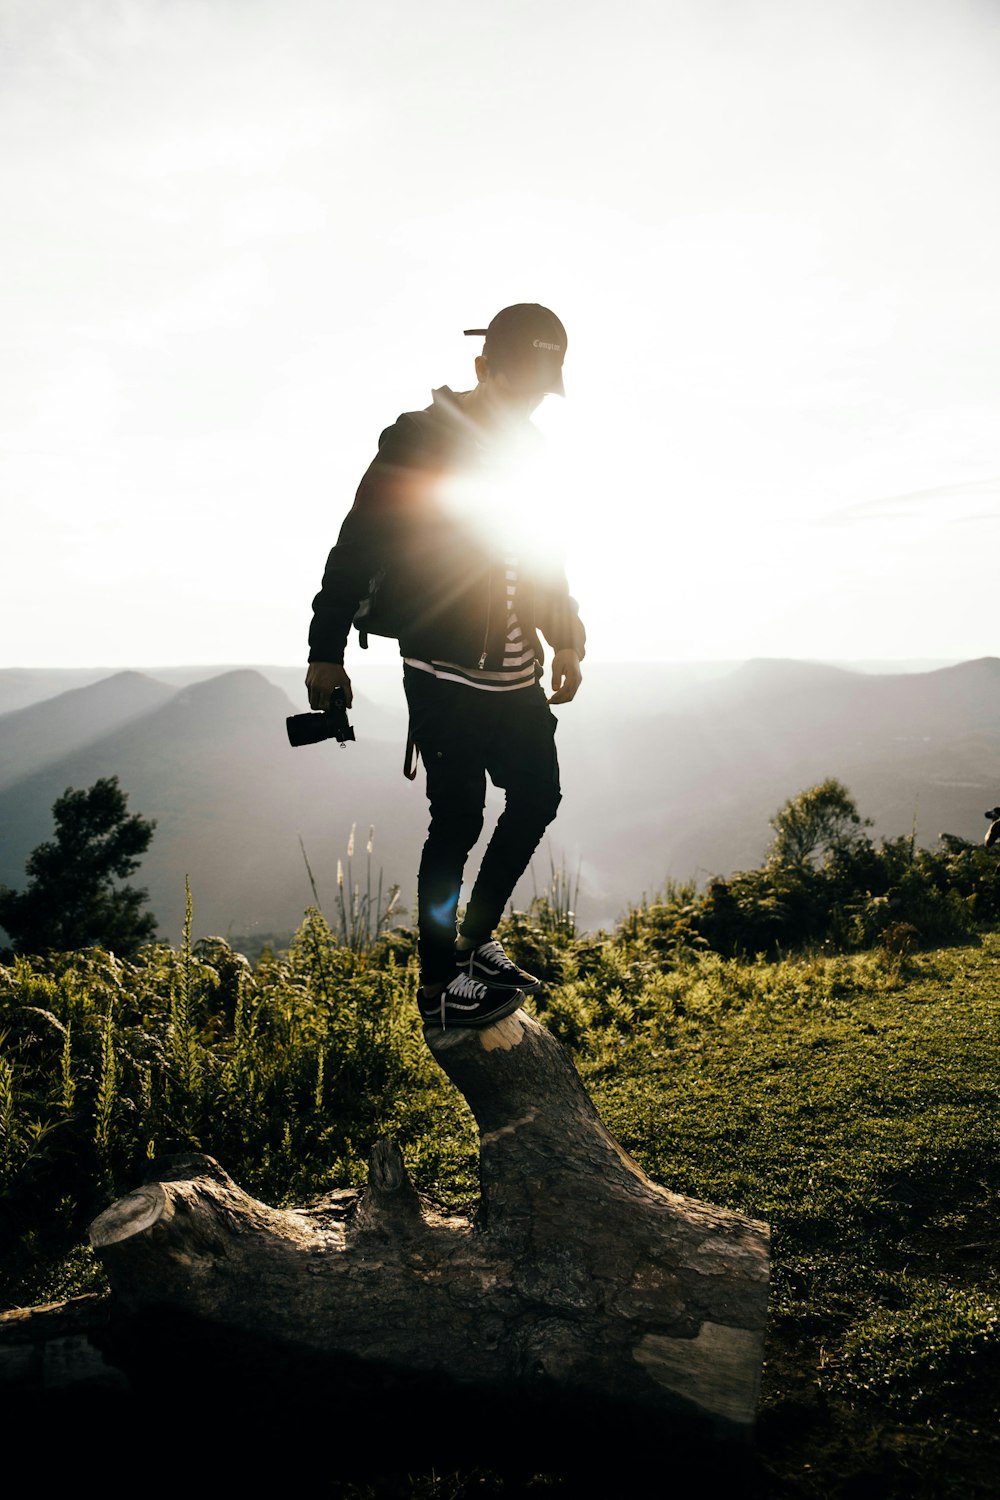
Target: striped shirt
x,y
518,667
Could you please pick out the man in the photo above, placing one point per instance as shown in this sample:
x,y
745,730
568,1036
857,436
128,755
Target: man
x,y
428,545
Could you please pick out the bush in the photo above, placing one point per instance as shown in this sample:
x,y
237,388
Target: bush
x,y
825,882
287,1073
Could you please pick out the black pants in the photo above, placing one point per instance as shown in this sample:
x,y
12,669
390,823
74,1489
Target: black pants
x,y
464,735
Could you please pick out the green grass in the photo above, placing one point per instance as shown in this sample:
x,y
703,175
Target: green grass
x,y
851,1101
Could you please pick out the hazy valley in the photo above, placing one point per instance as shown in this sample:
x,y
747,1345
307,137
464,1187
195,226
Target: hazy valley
x,y
667,771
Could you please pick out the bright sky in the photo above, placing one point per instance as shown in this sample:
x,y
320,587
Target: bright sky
x,y
242,235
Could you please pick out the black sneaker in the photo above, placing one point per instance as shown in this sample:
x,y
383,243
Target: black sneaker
x,y
490,963
467,1002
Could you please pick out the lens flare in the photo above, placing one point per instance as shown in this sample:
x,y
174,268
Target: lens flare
x,y
512,501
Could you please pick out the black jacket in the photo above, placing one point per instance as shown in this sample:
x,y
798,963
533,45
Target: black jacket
x,y
443,588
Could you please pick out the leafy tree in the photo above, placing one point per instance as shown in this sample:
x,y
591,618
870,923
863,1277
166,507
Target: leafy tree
x,y
72,899
823,819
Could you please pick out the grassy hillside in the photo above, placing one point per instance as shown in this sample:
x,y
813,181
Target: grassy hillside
x,y
849,1100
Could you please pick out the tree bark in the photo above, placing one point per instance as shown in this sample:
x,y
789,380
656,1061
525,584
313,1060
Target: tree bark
x,y
578,1274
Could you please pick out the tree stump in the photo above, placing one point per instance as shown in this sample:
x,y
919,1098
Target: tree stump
x,y
578,1275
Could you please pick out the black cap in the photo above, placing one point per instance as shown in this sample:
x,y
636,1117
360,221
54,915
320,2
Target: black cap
x,y
528,343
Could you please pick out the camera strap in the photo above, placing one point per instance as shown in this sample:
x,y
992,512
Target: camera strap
x,y
412,757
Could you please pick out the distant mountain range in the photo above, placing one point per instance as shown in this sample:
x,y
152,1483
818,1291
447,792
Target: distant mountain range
x,y
666,772
212,764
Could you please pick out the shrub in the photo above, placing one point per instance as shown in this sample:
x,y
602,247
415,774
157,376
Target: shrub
x,y
825,882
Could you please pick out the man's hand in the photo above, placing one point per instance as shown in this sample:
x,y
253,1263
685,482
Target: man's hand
x,y
566,676
322,679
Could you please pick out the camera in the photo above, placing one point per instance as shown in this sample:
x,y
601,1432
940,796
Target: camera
x,y
329,724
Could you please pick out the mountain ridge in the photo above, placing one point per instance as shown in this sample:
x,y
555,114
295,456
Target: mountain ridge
x,y
72,719
661,778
